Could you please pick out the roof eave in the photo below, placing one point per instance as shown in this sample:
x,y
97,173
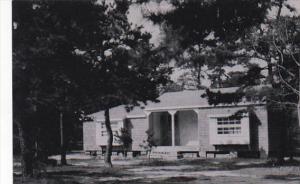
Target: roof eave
x,y
155,109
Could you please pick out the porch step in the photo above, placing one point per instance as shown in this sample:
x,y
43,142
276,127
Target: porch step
x,y
169,152
164,154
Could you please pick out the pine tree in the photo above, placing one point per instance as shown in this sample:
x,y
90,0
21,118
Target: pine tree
x,y
235,36
70,61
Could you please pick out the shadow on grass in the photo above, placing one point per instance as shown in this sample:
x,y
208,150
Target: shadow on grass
x,y
170,180
288,177
71,175
237,164
219,164
43,181
159,162
180,179
107,172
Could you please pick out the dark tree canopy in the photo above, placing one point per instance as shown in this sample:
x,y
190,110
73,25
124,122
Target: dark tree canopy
x,y
209,32
80,50
70,56
229,19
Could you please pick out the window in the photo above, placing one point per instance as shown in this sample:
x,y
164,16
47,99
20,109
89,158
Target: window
x,y
224,129
228,125
230,130
228,121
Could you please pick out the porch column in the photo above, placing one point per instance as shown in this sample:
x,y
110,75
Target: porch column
x,y
172,113
197,111
148,119
201,151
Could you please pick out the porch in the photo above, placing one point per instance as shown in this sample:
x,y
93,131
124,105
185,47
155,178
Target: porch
x,y
174,132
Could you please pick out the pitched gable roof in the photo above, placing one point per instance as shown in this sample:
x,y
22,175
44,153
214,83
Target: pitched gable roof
x,y
170,100
187,98
118,113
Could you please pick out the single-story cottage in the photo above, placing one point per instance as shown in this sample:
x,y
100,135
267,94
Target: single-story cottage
x,y
184,122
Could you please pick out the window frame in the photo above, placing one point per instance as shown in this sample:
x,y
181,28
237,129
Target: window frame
x,y
229,126
237,132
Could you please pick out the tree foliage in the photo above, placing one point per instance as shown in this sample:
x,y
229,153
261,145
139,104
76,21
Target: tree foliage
x,y
208,34
78,56
149,143
195,20
46,72
230,33
124,138
215,98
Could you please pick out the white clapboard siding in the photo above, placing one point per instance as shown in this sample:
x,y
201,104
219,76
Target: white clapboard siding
x,y
139,128
90,136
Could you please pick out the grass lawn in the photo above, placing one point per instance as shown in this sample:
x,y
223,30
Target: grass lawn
x,y
141,171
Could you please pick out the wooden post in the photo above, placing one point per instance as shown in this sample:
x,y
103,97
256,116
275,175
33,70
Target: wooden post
x,y
197,111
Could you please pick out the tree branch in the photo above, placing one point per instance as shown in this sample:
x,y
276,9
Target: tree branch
x,y
286,103
286,70
287,84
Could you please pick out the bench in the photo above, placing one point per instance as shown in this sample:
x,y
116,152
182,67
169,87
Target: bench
x,y
183,152
216,152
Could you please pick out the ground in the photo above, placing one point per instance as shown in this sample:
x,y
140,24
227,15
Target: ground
x,y
83,169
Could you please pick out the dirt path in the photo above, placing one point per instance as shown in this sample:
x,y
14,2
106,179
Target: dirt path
x,y
89,169
163,173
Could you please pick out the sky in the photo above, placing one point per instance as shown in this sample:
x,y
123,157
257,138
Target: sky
x,y
135,16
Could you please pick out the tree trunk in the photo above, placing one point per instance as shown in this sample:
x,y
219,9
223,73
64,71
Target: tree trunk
x,y
63,160
283,139
107,159
281,150
298,106
279,9
125,152
149,153
26,153
270,72
199,77
298,111
290,143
